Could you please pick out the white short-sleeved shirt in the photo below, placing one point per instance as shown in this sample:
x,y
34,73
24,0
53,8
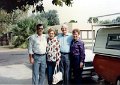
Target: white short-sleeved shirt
x,y
37,44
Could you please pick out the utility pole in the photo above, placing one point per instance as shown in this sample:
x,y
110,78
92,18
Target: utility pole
x,y
92,32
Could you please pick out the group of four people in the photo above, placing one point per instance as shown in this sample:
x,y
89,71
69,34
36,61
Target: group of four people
x,y
65,50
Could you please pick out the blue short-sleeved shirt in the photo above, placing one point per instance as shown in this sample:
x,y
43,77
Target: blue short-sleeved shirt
x,y
65,41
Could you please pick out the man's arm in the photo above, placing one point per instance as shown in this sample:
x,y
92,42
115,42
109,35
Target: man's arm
x,y
30,51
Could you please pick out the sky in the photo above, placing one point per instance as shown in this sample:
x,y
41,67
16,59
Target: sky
x,y
81,10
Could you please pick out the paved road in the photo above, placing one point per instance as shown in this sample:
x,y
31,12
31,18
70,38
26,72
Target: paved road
x,y
15,69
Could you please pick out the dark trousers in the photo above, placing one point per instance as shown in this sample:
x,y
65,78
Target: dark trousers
x,y
65,67
76,70
50,71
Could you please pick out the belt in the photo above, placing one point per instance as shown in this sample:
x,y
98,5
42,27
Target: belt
x,y
64,53
39,54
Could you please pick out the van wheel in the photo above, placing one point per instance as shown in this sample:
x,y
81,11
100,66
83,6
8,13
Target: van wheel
x,y
118,82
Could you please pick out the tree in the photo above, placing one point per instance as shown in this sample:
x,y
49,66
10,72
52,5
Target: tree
x,y
8,19
73,21
52,17
10,5
118,19
22,30
25,28
93,20
114,21
4,21
105,22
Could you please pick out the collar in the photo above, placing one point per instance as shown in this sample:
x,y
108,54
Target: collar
x,y
77,40
38,35
54,39
66,34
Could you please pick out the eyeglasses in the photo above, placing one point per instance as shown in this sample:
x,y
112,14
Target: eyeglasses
x,y
40,28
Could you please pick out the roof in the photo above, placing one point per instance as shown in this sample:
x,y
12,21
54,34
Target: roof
x,y
109,25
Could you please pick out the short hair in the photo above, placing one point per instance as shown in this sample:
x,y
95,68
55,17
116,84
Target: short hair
x,y
64,26
38,25
76,30
51,29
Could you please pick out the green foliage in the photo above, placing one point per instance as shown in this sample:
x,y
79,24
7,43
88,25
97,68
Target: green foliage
x,y
25,28
10,5
93,20
57,2
24,44
52,17
60,2
22,31
4,21
118,19
22,27
105,22
8,19
73,21
40,19
114,21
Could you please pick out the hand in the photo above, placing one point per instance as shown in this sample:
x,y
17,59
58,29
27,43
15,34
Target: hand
x,y
57,62
31,60
81,64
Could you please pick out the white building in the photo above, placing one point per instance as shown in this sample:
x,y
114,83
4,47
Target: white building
x,y
85,33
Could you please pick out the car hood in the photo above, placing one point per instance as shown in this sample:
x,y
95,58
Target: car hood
x,y
89,55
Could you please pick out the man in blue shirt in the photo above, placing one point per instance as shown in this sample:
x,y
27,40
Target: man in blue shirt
x,y
65,39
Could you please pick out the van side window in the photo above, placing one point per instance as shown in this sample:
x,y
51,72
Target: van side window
x,y
113,41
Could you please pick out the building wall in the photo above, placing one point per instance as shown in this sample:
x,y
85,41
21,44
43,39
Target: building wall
x,y
85,33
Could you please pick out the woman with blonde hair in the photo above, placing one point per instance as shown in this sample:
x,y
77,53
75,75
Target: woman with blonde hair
x,y
53,54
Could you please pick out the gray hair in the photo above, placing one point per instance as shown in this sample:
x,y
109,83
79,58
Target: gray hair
x,y
64,26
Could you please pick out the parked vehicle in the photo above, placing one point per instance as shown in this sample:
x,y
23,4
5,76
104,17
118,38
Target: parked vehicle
x,y
107,53
88,69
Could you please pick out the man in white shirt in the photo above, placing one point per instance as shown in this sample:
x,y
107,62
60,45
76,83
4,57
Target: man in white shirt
x,y
37,55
